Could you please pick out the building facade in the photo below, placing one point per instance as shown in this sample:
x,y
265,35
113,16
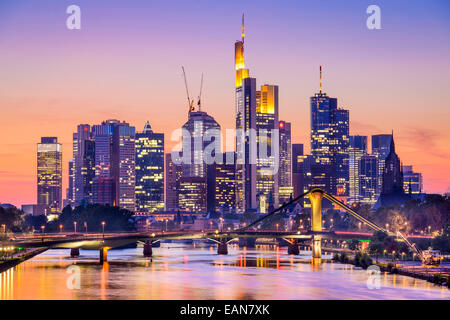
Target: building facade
x,y
49,175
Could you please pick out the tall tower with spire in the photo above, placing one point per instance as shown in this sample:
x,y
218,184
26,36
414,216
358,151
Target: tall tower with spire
x,y
246,129
392,173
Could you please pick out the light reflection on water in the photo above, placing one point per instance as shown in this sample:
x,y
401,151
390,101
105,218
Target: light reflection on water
x,y
179,271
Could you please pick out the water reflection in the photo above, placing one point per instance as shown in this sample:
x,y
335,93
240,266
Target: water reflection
x,y
195,271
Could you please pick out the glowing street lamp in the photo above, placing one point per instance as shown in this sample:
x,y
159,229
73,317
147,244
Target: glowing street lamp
x,y
75,227
277,226
85,226
60,227
103,228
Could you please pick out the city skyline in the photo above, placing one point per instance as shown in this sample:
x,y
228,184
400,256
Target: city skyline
x,y
18,164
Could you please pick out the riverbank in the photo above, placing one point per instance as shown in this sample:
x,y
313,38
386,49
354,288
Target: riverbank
x,y
20,257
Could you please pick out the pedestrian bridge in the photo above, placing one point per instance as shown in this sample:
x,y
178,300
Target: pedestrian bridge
x,y
105,241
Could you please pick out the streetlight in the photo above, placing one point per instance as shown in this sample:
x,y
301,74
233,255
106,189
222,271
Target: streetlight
x,y
387,226
75,226
60,227
85,226
103,228
277,226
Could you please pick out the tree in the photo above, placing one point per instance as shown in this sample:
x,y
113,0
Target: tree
x,y
13,219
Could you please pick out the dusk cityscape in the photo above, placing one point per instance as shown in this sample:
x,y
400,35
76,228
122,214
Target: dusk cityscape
x,y
200,150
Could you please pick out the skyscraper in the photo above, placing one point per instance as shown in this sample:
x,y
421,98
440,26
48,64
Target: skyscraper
x,y
49,174
149,170
246,125
173,176
203,131
83,165
115,158
368,179
266,123
381,145
329,142
297,151
225,186
192,194
357,149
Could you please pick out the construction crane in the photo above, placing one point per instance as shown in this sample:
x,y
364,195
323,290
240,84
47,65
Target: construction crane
x,y
200,95
190,101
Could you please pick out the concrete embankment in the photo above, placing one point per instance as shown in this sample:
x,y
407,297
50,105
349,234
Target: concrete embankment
x,y
19,258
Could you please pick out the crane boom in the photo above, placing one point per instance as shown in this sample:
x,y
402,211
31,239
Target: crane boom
x,y
187,91
200,94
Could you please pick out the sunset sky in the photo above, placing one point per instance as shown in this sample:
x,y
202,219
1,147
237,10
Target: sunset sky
x,y
125,63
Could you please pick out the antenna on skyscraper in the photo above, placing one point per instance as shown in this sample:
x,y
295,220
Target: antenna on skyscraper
x,y
320,79
243,28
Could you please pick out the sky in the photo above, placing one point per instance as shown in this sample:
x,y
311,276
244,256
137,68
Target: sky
x,y
125,63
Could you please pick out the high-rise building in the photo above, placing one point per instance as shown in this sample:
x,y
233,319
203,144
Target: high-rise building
x,y
412,181
83,165
225,185
115,158
70,188
306,165
203,131
381,146
173,176
329,143
285,179
192,194
297,151
357,149
266,123
149,170
368,179
49,174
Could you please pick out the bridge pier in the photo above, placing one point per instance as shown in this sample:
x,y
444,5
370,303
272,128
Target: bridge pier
x,y
247,242
316,250
222,246
293,247
148,249
103,255
74,252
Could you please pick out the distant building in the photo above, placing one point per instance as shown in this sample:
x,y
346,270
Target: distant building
x,y
149,170
285,170
173,176
49,174
368,179
412,181
192,194
381,146
225,186
83,165
297,151
357,149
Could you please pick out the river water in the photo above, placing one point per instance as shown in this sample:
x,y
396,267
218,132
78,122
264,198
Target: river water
x,y
195,271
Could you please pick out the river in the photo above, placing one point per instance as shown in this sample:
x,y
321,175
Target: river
x,y
195,271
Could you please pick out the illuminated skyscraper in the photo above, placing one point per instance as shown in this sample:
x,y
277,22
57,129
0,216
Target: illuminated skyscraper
x,y
83,162
392,174
284,173
49,174
266,124
357,149
368,179
115,158
225,185
173,176
192,194
246,124
381,146
199,126
329,143
149,170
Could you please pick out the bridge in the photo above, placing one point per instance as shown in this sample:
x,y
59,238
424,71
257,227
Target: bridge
x,y
105,241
